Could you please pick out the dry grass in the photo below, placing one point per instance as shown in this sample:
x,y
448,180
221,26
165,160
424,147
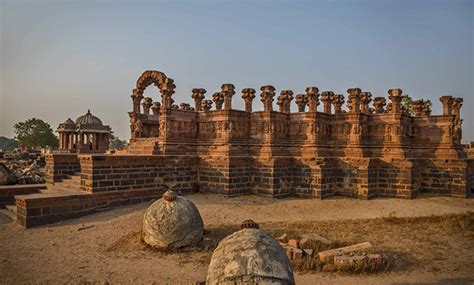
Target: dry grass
x,y
405,243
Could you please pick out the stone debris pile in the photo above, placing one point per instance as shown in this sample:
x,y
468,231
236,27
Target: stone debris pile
x,y
172,222
249,256
343,258
22,168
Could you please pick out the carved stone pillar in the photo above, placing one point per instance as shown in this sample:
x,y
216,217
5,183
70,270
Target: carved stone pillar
x,y
266,97
185,106
326,98
365,99
146,103
248,94
167,90
417,107
136,99
354,100
456,107
284,100
218,100
337,102
313,98
447,102
379,104
155,108
227,91
395,95
206,105
198,96
301,101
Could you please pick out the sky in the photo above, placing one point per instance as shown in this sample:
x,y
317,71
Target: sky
x,y
60,58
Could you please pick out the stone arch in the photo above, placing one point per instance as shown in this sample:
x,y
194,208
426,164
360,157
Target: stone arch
x,y
147,78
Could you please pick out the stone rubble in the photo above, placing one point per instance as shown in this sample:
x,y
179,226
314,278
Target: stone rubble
x,y
22,168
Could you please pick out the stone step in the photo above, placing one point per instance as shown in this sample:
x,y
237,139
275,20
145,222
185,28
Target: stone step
x,y
9,212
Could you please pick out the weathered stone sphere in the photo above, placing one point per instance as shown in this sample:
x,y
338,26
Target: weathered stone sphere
x,y
172,222
249,256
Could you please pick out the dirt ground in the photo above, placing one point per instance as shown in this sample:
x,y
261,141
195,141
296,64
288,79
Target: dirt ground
x,y
430,238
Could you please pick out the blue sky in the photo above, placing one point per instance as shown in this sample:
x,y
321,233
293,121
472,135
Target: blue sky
x,y
60,58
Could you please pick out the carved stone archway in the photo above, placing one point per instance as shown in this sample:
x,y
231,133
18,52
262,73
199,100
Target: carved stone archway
x,y
147,78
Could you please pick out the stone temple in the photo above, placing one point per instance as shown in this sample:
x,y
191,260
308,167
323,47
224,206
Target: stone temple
x,y
374,149
87,135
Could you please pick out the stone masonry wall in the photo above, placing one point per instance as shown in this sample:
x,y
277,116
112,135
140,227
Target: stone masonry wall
x,y
104,173
60,166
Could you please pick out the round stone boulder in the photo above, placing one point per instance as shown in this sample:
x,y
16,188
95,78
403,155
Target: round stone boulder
x,y
249,256
172,222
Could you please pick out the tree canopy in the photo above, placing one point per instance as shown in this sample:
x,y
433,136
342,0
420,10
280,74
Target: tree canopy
x,y
116,142
407,103
34,133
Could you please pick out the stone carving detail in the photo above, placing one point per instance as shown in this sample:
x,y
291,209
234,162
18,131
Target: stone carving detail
x,y
421,108
337,102
218,99
198,96
284,100
185,106
146,103
326,98
353,102
248,94
155,108
167,90
313,98
447,102
227,91
365,99
301,101
379,104
266,97
206,105
395,95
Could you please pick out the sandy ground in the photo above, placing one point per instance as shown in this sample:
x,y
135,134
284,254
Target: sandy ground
x,y
75,253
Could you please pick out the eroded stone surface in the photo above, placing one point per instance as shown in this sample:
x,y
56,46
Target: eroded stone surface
x,y
249,256
172,224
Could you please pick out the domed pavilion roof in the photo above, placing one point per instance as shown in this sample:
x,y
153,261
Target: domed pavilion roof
x,y
88,120
69,122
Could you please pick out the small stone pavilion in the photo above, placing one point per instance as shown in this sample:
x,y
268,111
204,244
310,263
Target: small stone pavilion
x,y
87,135
359,146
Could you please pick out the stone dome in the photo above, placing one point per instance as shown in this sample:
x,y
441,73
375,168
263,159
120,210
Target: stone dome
x,y
88,120
249,256
172,222
69,122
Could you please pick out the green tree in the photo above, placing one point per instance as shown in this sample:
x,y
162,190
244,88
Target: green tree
x,y
407,104
34,133
116,142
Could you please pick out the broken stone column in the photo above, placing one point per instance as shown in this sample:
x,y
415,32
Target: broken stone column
x,y
137,97
395,95
198,96
353,102
249,256
313,98
167,91
206,105
146,103
301,101
447,102
456,107
284,100
218,100
365,99
172,222
326,98
155,108
337,102
227,91
379,104
248,94
266,97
